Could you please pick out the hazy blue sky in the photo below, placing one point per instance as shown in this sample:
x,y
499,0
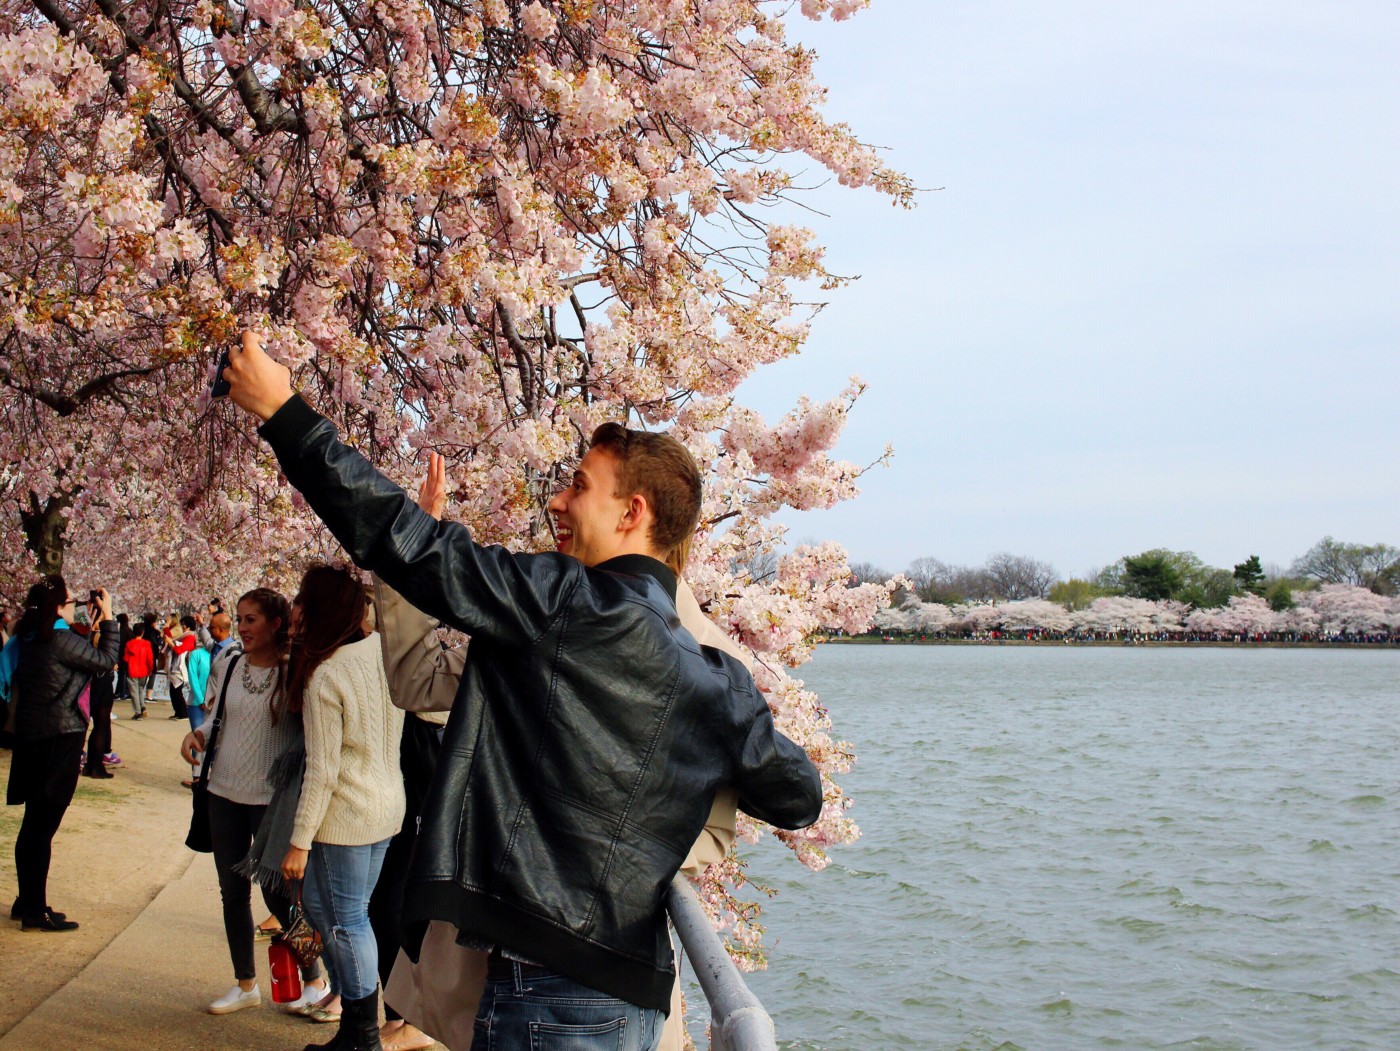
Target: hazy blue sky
x,y
1156,301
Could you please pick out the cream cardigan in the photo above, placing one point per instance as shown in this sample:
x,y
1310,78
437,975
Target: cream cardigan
x,y
353,791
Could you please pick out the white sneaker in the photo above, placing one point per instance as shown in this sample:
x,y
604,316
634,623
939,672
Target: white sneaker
x,y
235,1000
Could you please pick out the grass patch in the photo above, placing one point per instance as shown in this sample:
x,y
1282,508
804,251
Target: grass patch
x,y
99,796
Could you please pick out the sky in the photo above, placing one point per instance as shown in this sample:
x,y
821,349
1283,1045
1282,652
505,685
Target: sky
x,y
1151,297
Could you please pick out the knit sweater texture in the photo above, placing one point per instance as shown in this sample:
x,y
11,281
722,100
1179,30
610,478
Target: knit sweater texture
x,y
353,791
249,742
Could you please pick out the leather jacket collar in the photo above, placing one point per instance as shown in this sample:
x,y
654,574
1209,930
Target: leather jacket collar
x,y
642,566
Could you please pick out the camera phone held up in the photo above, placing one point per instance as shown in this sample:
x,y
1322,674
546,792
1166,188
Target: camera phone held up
x,y
220,387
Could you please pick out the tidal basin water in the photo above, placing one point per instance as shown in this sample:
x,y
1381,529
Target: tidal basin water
x,y
1100,848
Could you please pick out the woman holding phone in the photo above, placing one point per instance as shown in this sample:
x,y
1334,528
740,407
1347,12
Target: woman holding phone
x,y
51,682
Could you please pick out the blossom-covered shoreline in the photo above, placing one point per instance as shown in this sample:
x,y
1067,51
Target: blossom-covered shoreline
x,y
1330,614
1386,642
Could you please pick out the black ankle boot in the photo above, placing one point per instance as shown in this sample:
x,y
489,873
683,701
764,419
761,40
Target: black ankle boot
x,y
339,1042
359,1024
335,1043
17,911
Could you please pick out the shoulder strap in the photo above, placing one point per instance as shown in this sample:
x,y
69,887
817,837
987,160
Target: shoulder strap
x,y
218,721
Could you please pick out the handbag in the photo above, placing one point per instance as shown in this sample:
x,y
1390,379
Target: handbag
x,y
199,837
299,935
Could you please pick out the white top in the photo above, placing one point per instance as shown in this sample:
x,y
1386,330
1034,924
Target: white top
x,y
248,742
353,791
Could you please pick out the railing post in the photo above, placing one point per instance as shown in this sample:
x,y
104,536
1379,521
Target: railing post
x,y
738,1021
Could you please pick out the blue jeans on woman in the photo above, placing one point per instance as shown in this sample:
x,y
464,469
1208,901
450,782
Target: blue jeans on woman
x,y
535,1009
338,883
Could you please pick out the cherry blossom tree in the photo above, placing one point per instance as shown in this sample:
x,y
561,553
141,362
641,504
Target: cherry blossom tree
x,y
480,228
1120,615
1347,609
1037,615
1245,614
913,616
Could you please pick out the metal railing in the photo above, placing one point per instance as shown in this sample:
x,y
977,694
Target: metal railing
x,y
738,1021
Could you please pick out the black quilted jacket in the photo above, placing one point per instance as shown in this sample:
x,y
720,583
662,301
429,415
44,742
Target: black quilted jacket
x,y
51,675
588,737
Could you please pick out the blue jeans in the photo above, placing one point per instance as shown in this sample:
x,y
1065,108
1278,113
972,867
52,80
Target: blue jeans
x,y
548,1012
338,884
196,714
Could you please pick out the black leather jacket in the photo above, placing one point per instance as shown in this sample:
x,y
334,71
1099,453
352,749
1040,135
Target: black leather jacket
x,y
50,676
588,738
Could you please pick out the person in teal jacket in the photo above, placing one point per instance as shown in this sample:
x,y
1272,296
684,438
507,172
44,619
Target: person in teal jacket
x,y
197,671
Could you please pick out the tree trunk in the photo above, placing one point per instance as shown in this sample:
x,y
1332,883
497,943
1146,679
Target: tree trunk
x,y
44,529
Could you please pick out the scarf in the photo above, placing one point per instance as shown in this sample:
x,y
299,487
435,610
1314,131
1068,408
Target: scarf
x,y
263,865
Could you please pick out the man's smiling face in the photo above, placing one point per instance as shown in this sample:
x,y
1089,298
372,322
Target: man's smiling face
x,y
588,513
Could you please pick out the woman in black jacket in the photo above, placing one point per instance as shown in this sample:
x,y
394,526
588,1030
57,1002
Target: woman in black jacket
x,y
53,673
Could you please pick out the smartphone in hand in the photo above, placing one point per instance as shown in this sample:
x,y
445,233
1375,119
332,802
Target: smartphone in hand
x,y
220,387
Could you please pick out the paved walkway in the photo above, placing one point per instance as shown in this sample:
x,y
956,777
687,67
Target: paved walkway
x,y
150,954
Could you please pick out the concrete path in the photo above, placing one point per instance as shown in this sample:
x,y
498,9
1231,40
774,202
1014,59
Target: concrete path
x,y
150,954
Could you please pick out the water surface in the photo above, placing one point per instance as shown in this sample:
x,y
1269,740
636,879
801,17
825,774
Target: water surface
x,y
1085,848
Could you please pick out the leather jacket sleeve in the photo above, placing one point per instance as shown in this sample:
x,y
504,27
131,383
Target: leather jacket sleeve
x,y
776,780
84,657
484,591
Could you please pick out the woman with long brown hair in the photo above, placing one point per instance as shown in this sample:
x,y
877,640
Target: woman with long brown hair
x,y
352,796
249,722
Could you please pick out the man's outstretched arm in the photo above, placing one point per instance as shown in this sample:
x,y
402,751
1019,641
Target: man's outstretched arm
x,y
437,566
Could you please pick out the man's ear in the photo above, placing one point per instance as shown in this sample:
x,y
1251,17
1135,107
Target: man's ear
x,y
636,515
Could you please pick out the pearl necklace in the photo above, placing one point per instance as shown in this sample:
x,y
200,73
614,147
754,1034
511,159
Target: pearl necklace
x,y
257,689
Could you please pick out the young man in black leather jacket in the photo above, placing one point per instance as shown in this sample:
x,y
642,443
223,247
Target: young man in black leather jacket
x,y
589,735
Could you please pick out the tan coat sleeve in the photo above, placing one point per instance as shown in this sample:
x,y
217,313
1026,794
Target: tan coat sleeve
x,y
718,835
423,677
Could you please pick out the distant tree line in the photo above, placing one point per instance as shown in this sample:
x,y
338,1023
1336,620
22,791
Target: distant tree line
x,y
1158,575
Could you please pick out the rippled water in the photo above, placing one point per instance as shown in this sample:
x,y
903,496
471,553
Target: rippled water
x,y
1100,848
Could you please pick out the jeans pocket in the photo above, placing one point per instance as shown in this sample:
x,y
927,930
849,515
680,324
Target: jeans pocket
x,y
596,1036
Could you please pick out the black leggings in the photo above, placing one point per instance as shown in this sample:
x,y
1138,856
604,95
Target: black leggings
x,y
232,827
177,701
100,741
50,774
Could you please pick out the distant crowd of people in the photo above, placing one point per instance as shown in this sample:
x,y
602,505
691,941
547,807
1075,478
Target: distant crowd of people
x,y
487,834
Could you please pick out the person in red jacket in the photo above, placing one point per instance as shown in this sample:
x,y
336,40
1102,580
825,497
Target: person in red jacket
x,y
140,662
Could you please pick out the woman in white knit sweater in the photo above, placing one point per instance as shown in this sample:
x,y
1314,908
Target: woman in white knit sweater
x,y
352,797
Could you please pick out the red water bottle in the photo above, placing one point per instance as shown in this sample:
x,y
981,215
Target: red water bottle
x,y
286,972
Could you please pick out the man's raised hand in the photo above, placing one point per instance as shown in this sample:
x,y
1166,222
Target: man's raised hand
x,y
256,382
